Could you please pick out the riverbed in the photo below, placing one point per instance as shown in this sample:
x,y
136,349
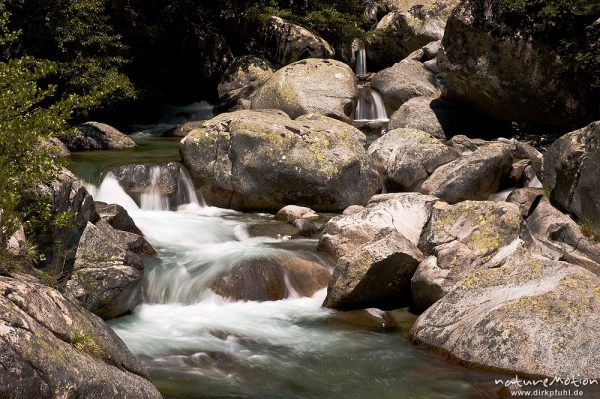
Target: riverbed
x,y
197,344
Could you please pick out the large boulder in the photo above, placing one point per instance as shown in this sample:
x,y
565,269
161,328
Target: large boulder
x,y
571,170
507,317
423,113
561,234
407,79
240,82
400,33
272,278
460,240
501,61
405,157
265,160
283,42
146,177
325,87
107,276
68,198
377,274
96,136
53,348
405,213
472,177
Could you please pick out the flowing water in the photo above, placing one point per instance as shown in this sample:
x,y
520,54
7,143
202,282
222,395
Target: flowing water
x,y
370,106
361,62
196,344
370,109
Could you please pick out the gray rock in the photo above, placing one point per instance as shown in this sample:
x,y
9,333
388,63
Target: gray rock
x,y
272,278
117,217
143,178
552,228
405,157
352,209
107,277
431,50
284,42
17,242
96,136
376,274
400,33
54,147
264,160
240,82
406,213
68,197
459,240
508,317
526,199
53,348
292,213
325,87
571,168
466,145
183,129
424,114
472,177
407,79
506,75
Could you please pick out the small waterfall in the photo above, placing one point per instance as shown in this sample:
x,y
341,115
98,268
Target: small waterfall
x,y
111,192
187,193
370,106
370,114
154,200
361,62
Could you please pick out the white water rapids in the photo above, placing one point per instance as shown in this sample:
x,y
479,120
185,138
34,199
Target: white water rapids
x,y
199,345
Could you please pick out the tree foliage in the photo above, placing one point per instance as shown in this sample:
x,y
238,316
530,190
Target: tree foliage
x,y
77,36
33,108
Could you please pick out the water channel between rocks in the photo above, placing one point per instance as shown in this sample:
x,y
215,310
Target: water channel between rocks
x,y
196,344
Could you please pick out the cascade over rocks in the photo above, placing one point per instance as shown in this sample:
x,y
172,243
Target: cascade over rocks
x,y
508,74
534,308
96,136
52,347
325,87
265,160
570,170
139,178
405,157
